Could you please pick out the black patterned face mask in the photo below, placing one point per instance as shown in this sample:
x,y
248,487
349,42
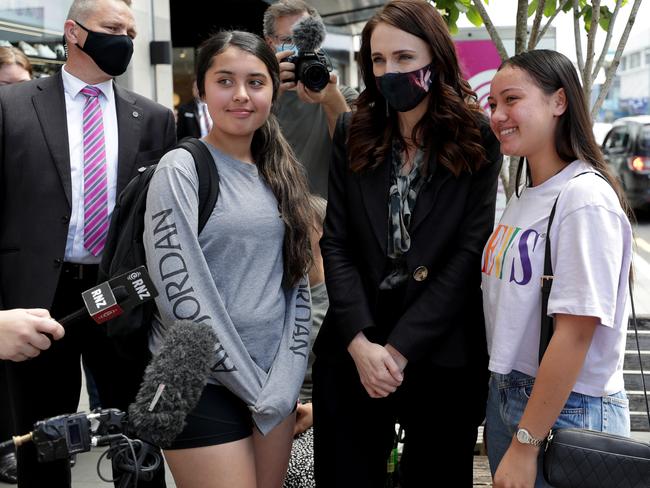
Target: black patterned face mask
x,y
404,91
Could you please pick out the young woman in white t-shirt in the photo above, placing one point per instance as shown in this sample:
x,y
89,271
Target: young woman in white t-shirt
x,y
539,112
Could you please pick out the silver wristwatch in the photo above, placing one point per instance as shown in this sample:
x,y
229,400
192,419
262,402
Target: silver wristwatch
x,y
525,437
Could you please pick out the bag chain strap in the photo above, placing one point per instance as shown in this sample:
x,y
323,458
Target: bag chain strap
x,y
546,329
638,350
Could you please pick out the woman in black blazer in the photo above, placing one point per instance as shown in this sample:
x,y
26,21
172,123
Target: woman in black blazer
x,y
412,192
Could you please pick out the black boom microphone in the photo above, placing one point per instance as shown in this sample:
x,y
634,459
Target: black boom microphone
x,y
308,34
112,298
173,383
312,66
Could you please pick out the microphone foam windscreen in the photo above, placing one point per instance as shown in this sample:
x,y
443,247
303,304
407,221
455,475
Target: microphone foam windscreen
x,y
182,366
308,34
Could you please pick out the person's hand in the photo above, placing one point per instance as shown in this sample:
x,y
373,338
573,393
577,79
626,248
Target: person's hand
x,y
330,98
379,373
397,357
287,71
304,418
22,333
330,95
518,468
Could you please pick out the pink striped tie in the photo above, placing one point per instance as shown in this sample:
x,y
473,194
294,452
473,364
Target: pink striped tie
x,y
95,185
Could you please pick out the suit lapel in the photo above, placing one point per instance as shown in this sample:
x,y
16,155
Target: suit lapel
x,y
374,190
129,117
49,105
429,193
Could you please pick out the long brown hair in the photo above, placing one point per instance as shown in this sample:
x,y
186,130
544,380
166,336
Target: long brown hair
x,y
574,137
450,126
272,154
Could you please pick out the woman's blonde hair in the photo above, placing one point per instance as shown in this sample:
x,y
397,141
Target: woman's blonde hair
x,y
13,55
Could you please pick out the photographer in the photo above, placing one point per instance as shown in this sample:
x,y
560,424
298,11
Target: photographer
x,y
307,117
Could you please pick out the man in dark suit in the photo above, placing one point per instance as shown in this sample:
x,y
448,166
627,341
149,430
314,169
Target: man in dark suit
x,y
193,118
68,145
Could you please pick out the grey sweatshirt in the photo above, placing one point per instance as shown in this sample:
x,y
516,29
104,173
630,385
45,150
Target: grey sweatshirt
x,y
230,276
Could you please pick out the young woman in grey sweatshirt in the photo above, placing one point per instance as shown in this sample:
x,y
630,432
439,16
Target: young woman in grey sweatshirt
x,y
244,274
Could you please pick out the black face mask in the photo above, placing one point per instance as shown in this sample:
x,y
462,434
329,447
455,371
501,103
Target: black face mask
x,y
111,52
404,91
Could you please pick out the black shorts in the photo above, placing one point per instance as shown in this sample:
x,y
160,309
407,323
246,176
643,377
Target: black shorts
x,y
218,418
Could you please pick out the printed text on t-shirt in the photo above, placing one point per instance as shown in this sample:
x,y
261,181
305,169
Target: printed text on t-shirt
x,y
499,248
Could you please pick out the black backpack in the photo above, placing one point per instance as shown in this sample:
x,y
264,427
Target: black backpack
x,y
124,249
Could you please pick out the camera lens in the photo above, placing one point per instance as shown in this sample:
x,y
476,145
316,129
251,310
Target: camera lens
x,y
314,75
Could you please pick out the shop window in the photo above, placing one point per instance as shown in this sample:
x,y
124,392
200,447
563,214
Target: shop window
x,y
35,27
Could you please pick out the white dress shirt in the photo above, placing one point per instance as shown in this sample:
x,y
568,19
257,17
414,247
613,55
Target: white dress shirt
x,y
74,105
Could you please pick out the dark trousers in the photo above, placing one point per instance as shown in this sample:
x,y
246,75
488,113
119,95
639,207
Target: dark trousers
x,y
50,384
6,421
440,410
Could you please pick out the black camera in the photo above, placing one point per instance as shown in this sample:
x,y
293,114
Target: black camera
x,y
312,68
65,435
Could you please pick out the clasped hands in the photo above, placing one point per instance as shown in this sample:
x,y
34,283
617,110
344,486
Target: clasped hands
x,y
380,368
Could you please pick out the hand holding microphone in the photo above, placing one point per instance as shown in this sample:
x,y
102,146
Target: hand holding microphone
x,y
24,333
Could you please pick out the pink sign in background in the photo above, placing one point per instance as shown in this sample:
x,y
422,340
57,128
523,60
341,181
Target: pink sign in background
x,y
479,61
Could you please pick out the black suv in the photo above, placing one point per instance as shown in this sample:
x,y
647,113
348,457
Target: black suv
x,y
627,150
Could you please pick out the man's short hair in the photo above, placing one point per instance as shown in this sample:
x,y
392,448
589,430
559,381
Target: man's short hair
x,y
81,9
285,8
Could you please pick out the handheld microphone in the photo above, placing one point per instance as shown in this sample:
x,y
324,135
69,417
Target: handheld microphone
x,y
112,298
173,383
308,34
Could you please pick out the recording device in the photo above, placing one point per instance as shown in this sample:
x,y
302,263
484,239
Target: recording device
x,y
173,382
171,388
312,65
112,298
65,435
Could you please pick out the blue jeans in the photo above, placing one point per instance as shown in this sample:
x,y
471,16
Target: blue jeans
x,y
507,400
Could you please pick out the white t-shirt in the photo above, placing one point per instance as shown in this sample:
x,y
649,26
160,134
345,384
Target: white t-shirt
x,y
591,252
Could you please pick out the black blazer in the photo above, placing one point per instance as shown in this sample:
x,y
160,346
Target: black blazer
x,y
187,121
442,319
35,180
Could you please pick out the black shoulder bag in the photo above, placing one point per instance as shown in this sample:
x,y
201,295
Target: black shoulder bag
x,y
582,458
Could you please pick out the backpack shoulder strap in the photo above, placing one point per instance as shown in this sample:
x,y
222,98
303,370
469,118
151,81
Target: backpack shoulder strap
x,y
208,177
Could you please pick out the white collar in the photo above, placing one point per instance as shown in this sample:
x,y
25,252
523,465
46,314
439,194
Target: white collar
x,y
73,85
